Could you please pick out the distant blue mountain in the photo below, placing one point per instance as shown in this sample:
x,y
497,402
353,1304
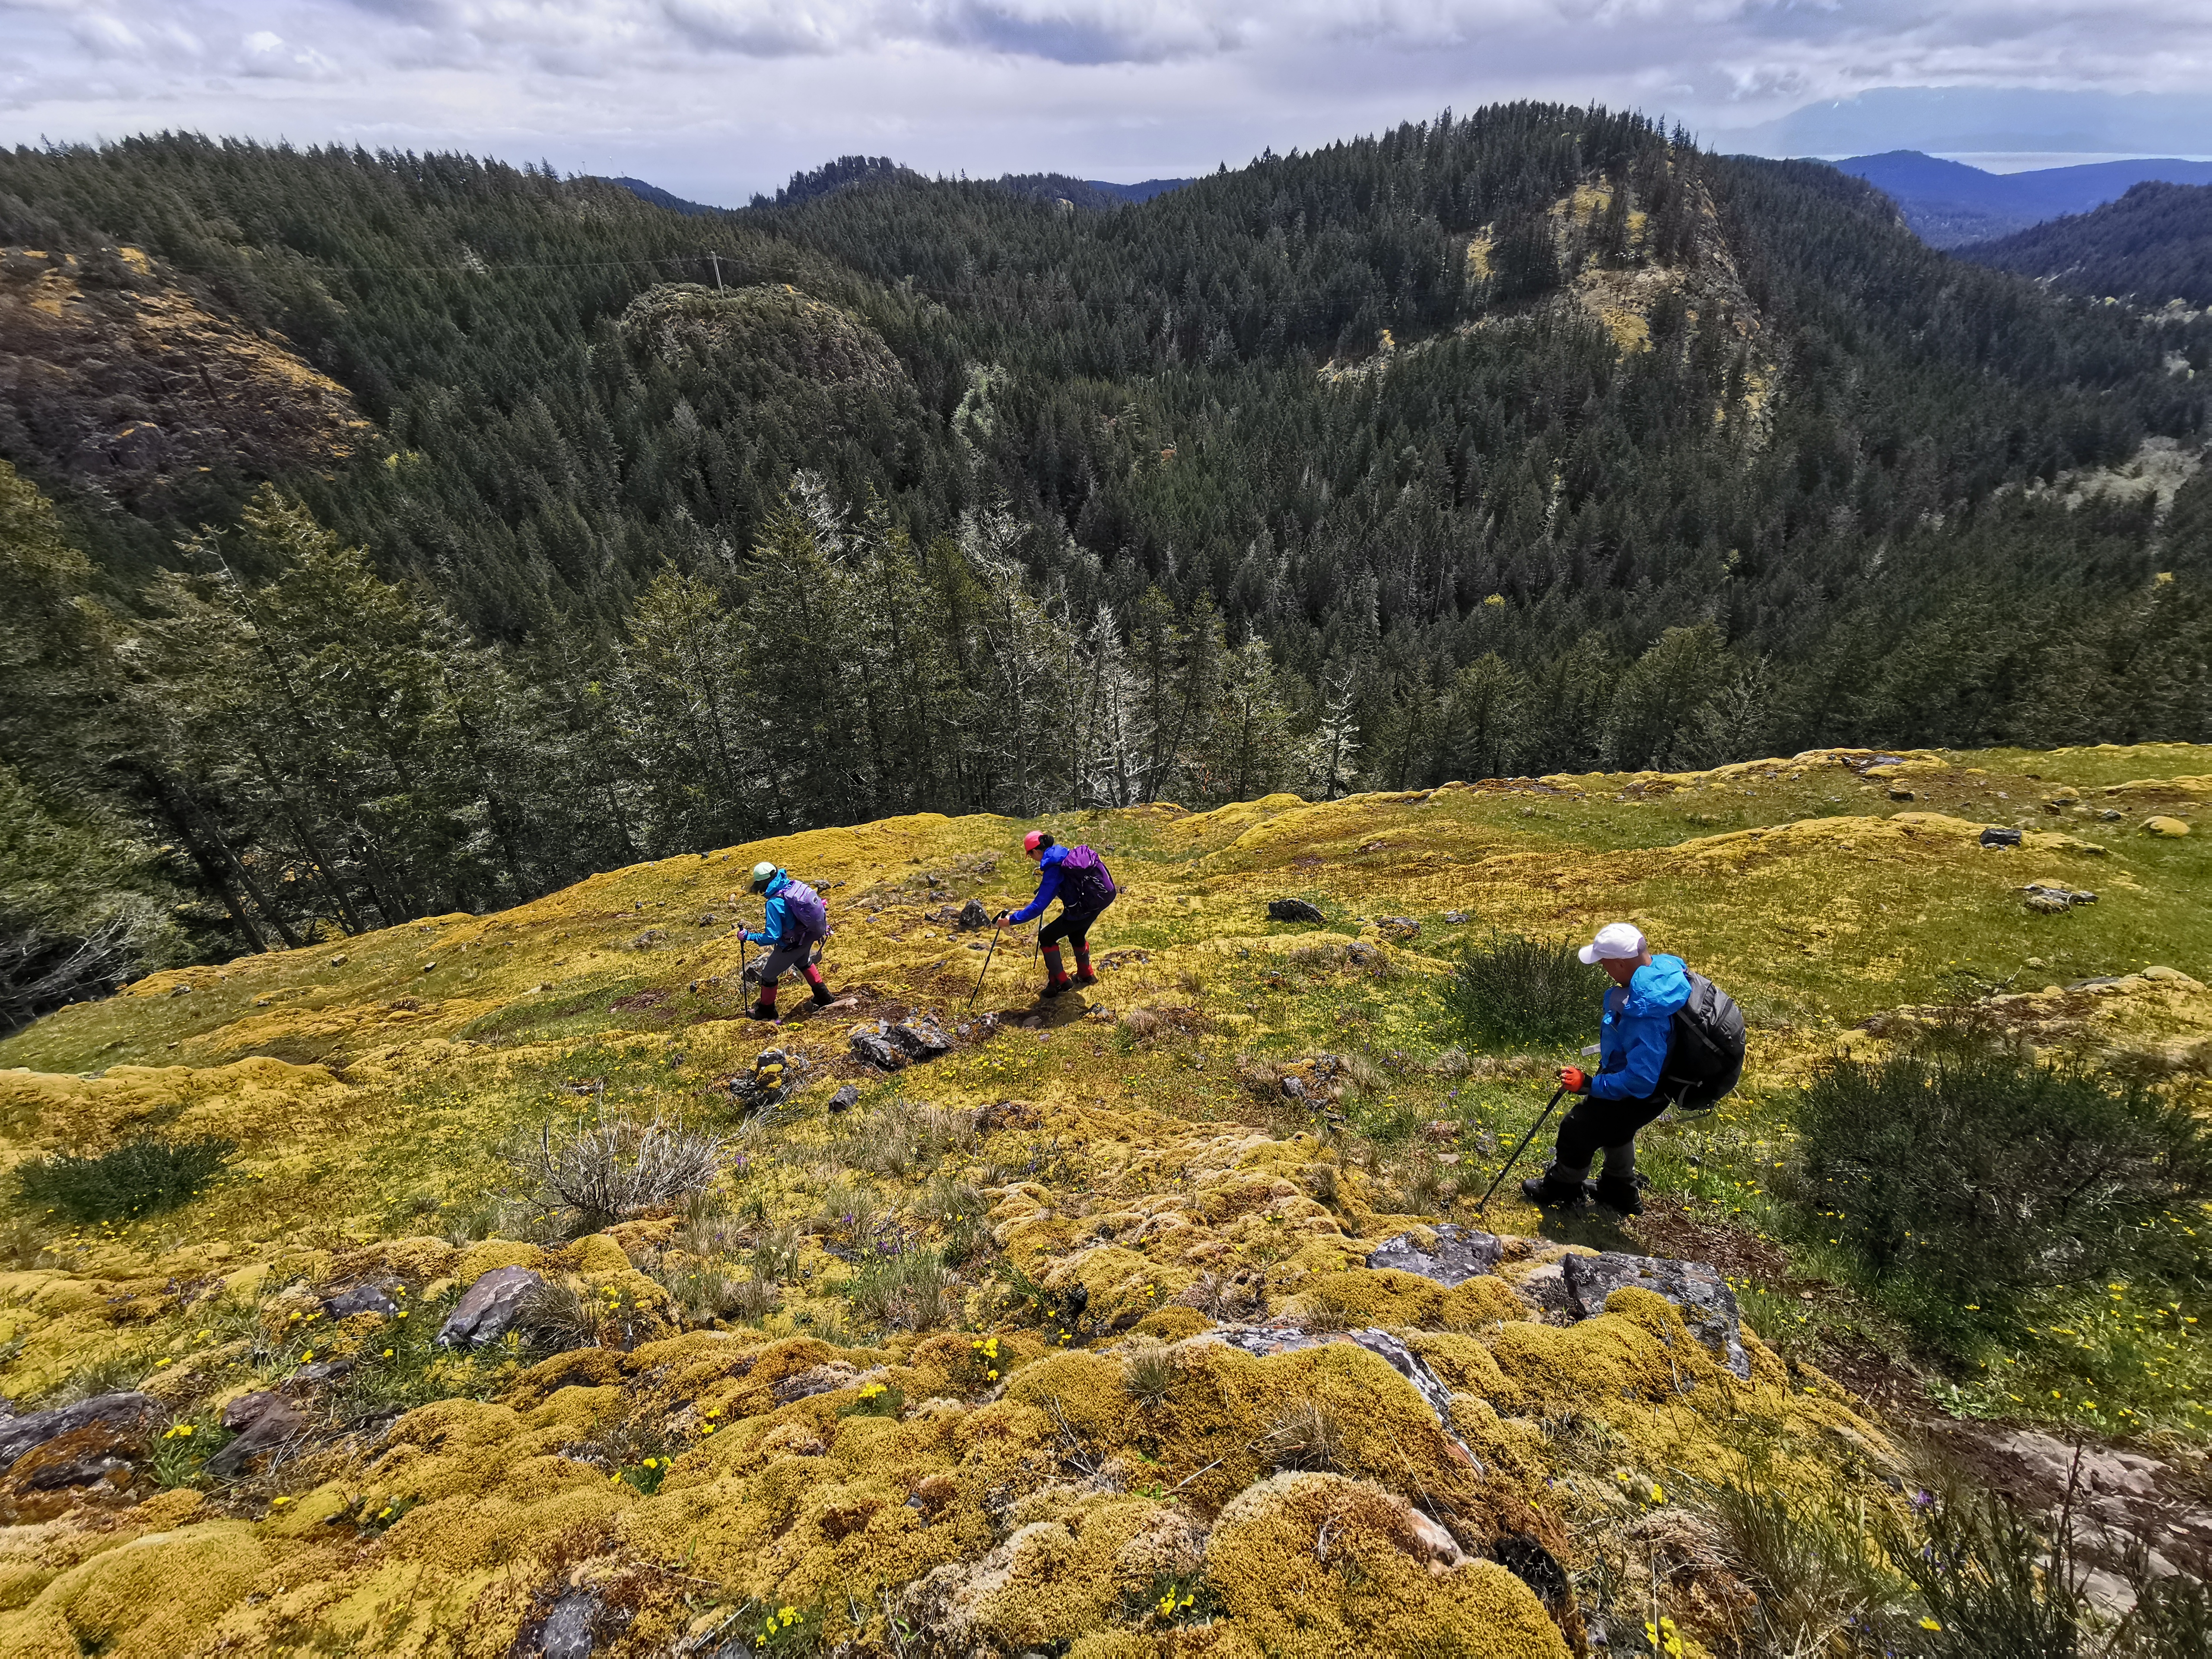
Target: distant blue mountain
x,y
1949,204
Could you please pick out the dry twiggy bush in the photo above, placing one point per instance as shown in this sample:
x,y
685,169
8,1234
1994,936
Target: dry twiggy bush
x,y
618,1167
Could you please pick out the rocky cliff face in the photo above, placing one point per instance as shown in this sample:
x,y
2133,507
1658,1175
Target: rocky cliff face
x,y
116,379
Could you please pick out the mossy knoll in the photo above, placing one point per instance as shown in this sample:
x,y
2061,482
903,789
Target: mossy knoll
x,y
973,1395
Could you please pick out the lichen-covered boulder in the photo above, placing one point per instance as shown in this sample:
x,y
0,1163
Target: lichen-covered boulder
x,y
1311,1564
1293,911
488,1309
1707,1304
1456,1255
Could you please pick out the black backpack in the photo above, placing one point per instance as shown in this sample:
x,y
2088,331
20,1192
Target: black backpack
x,y
1085,883
1704,1048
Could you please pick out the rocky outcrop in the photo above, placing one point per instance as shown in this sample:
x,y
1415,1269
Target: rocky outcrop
x,y
1708,1305
488,1309
1457,1255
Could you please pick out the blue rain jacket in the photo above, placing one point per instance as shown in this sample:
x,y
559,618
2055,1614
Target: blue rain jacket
x,y
774,923
1048,885
1632,1039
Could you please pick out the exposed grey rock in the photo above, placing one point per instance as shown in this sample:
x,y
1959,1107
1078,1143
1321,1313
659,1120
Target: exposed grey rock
x,y
845,1098
363,1298
1398,927
568,1632
1460,1254
1545,1289
1995,836
264,1422
972,916
1293,911
869,1044
128,1415
488,1309
1454,918
323,1370
919,1038
1708,1305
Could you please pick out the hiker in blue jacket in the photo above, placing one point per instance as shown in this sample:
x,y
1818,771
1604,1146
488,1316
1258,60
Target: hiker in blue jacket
x,y
1078,877
794,919
1623,1094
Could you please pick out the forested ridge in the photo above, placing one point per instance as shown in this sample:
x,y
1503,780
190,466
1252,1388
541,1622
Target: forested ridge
x,y
2152,245
1523,441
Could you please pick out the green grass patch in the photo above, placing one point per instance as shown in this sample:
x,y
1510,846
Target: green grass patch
x,y
139,1177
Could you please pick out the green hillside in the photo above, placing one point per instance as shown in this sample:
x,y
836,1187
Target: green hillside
x,y
1127,1324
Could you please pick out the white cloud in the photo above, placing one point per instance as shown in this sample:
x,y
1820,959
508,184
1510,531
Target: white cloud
x,y
717,98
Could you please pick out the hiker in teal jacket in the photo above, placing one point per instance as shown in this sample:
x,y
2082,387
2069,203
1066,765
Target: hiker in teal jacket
x,y
1623,1094
792,920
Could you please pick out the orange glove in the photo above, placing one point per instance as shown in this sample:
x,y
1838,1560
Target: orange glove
x,y
1574,1080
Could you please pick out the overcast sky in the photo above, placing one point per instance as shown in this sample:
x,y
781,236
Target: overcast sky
x,y
715,99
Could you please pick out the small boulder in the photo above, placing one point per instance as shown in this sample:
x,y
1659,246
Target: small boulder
x,y
1398,927
1293,911
919,1037
1454,918
845,1098
263,1422
1901,794
486,1310
2171,829
1996,836
363,1298
972,916
1708,1304
869,1044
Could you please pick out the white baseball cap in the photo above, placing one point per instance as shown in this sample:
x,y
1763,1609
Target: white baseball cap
x,y
1616,941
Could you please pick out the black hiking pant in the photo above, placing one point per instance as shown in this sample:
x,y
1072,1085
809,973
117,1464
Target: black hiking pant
x,y
1607,1125
1070,924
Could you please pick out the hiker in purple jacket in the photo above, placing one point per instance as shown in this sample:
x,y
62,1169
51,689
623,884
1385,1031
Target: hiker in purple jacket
x,y
795,918
1078,877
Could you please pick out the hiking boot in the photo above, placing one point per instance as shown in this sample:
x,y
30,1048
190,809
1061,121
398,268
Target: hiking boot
x,y
1616,1195
1548,1192
1086,977
822,997
763,1010
1057,987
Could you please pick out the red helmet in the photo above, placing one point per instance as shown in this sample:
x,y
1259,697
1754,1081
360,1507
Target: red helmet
x,y
1034,840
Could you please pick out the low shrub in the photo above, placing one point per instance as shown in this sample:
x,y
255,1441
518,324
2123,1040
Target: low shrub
x,y
136,1178
1510,989
1962,1172
617,1167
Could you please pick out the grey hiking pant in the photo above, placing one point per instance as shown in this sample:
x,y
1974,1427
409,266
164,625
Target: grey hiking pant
x,y
785,957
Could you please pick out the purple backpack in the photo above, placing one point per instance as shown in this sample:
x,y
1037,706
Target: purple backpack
x,y
804,915
1084,881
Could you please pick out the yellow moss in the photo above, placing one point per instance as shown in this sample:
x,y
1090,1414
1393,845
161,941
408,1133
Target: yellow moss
x,y
1322,1566
1173,1324
154,1595
1391,1299
481,1259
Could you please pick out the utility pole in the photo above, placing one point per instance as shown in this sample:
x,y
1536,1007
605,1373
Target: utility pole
x,y
716,260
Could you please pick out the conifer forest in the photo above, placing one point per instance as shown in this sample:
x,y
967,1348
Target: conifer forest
x,y
390,535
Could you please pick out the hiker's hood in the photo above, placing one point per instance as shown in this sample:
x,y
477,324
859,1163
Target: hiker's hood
x,y
777,883
1660,986
1053,854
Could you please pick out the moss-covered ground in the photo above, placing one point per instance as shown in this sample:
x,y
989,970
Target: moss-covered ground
x,y
926,1371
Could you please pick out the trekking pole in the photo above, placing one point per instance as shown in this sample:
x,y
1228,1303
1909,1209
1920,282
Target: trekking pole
x,y
995,931
1523,1146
